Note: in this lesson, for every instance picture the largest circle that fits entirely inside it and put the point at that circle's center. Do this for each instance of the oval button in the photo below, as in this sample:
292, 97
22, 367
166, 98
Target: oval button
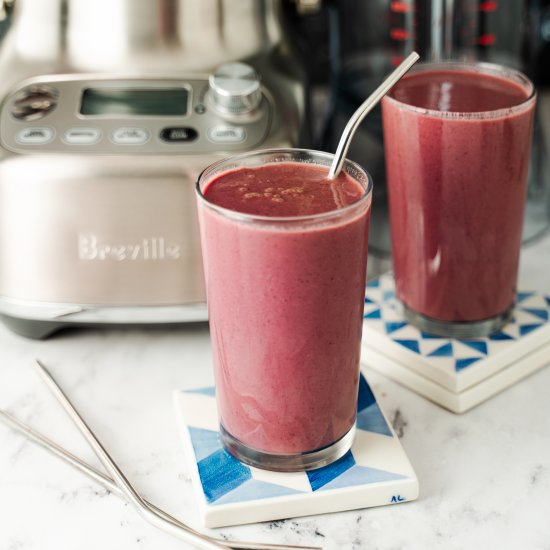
82, 136
227, 134
35, 136
130, 136
179, 133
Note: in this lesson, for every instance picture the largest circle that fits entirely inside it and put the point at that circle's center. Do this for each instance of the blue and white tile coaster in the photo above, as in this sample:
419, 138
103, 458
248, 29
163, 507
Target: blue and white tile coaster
456, 374
376, 471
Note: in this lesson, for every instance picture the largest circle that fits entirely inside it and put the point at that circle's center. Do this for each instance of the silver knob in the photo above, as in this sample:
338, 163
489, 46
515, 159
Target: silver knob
34, 102
235, 88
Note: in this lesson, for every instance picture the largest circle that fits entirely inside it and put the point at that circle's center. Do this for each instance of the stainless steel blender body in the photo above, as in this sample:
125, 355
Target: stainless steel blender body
109, 111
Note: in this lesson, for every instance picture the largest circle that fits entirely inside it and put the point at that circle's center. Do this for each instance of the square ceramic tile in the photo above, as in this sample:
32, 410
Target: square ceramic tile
455, 373
375, 472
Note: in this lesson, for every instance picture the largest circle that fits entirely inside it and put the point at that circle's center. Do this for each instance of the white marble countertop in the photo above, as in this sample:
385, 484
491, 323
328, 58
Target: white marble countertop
484, 476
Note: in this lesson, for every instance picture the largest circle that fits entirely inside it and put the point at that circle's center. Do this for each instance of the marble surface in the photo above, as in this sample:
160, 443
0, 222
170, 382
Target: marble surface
484, 476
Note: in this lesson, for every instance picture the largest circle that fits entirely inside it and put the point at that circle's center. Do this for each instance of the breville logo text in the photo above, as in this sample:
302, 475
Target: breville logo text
148, 248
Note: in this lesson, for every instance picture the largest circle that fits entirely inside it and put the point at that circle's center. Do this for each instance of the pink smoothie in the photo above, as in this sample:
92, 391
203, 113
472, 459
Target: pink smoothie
457, 188
285, 302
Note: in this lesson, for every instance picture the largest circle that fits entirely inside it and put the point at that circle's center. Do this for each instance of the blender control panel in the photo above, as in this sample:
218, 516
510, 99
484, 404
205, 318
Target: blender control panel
226, 112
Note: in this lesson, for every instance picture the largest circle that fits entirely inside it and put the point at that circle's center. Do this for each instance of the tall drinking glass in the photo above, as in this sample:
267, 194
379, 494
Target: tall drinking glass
457, 142
285, 301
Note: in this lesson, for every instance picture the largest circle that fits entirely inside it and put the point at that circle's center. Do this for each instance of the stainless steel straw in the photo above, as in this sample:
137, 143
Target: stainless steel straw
108, 483
364, 109
118, 483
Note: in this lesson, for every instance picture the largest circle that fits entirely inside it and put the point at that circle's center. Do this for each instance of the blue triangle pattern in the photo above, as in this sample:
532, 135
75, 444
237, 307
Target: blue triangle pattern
365, 397
540, 313
409, 344
320, 477
446, 350
461, 364
361, 475
547, 298
221, 473
523, 296
205, 442
500, 336
526, 329
478, 345
373, 315
392, 326
375, 283
209, 390
371, 419
388, 295
368, 301
254, 489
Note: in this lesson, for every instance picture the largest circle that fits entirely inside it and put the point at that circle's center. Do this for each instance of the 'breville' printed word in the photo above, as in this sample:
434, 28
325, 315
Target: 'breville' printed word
148, 249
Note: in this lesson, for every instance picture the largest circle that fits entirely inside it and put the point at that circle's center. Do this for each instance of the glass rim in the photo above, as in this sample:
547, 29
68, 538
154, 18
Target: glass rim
258, 218
483, 67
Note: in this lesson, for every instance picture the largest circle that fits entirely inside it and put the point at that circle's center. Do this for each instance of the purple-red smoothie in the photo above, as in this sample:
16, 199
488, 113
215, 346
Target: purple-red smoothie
457, 184
285, 299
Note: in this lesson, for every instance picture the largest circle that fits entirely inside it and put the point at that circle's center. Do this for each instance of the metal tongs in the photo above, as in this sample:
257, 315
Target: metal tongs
118, 484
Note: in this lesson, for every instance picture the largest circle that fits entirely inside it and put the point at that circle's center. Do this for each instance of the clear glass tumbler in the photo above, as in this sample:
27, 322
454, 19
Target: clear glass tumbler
457, 184
285, 301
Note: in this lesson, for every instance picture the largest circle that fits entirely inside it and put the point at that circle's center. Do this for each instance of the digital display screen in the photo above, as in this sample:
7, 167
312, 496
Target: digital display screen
134, 101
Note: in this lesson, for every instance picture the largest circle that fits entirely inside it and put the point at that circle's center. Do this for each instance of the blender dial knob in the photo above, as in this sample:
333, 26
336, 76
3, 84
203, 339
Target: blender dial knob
235, 88
34, 102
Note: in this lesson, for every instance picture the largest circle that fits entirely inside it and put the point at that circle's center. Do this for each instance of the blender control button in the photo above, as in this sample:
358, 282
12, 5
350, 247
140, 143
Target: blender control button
35, 136
178, 134
227, 134
130, 136
235, 89
82, 136
34, 102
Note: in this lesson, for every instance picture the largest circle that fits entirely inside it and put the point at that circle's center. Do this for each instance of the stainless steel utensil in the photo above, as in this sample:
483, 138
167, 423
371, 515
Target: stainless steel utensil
119, 484
365, 108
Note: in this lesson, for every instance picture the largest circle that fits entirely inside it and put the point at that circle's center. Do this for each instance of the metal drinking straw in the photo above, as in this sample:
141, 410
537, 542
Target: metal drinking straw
118, 483
364, 109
